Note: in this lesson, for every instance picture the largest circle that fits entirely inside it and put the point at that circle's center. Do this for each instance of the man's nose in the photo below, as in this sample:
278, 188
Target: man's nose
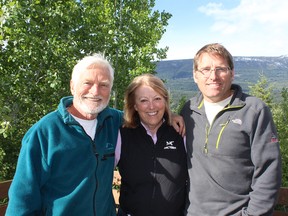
94, 89
213, 74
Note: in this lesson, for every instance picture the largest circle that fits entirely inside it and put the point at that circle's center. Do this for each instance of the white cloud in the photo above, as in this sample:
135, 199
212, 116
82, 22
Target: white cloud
247, 14
245, 27
257, 26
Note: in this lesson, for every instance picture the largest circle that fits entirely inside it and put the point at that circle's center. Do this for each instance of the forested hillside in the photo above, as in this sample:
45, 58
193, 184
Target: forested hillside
178, 74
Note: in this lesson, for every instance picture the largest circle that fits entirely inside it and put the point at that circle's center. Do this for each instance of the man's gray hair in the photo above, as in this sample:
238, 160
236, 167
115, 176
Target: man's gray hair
96, 59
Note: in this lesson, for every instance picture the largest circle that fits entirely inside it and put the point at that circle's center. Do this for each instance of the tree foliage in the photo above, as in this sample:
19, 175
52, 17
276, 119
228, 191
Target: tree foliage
280, 115
263, 90
41, 40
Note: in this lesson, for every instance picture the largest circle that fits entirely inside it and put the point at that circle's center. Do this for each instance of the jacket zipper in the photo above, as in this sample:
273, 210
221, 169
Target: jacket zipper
208, 129
97, 162
154, 173
221, 132
96, 187
96, 156
105, 156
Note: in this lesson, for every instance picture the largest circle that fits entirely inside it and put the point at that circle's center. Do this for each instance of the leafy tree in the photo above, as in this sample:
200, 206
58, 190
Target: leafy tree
36, 53
135, 35
178, 107
41, 40
280, 115
263, 90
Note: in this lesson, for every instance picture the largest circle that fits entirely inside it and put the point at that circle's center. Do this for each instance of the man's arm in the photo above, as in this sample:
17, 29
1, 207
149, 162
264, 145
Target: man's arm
24, 193
178, 124
265, 154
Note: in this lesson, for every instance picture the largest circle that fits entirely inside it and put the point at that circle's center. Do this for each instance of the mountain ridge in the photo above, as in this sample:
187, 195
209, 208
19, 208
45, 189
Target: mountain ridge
177, 74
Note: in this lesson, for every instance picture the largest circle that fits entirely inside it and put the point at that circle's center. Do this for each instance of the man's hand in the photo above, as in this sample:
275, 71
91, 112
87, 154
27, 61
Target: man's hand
178, 124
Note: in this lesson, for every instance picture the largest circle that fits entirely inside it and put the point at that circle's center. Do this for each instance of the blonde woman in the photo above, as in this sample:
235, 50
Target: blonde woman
152, 154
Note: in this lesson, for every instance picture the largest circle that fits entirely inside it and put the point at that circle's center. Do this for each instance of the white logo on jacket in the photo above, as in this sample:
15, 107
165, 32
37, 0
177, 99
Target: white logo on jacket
237, 121
170, 145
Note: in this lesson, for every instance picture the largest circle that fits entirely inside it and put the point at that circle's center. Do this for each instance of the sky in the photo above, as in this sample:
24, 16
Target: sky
244, 27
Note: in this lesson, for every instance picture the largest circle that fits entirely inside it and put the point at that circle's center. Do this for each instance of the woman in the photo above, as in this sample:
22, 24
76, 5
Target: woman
153, 158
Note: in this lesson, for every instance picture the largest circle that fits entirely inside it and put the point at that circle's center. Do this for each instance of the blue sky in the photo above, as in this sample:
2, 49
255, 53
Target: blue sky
244, 27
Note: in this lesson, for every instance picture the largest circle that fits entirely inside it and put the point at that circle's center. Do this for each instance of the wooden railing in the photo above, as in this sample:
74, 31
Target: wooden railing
281, 208
4, 187
116, 187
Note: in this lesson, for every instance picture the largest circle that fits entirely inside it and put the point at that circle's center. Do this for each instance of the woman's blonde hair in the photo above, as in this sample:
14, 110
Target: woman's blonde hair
131, 116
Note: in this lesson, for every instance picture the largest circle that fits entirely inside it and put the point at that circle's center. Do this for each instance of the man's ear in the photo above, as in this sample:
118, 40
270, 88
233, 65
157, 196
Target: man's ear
72, 87
194, 77
232, 75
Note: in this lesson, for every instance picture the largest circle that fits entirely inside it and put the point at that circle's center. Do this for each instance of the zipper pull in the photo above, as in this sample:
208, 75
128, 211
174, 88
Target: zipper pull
205, 148
206, 139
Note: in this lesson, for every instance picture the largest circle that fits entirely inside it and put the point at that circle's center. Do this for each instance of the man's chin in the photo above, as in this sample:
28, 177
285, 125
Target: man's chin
96, 110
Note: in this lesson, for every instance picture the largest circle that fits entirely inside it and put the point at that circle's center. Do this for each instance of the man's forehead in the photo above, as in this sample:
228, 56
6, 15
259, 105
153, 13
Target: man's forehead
209, 58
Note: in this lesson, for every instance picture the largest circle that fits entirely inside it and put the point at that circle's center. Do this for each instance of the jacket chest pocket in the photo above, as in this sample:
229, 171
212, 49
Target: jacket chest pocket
229, 138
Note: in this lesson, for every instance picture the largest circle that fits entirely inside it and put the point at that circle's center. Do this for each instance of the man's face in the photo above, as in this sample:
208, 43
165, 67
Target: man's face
91, 91
216, 86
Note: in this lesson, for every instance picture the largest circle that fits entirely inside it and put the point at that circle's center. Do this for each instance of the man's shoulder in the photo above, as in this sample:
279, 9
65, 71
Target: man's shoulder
45, 124
252, 101
112, 111
48, 119
112, 115
187, 105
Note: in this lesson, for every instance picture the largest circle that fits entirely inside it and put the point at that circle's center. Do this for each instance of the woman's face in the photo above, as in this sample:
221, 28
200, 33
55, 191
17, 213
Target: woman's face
150, 106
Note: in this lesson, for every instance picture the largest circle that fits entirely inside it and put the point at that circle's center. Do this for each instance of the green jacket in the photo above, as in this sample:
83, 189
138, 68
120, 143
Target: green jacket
62, 171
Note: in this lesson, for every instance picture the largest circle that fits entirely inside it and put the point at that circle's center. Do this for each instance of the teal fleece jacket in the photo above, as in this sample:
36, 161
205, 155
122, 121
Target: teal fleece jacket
62, 171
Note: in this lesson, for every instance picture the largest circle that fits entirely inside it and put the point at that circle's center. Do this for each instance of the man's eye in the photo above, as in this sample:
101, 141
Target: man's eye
104, 85
206, 70
220, 69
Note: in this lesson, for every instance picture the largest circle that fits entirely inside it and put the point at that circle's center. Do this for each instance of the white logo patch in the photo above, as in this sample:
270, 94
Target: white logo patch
170, 145
237, 121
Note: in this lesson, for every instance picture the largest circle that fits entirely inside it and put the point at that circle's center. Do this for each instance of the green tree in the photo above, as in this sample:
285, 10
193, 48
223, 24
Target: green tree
41, 40
136, 32
263, 90
280, 115
178, 107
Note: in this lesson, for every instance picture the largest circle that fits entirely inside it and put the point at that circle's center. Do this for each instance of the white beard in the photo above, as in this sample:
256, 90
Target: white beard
95, 110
